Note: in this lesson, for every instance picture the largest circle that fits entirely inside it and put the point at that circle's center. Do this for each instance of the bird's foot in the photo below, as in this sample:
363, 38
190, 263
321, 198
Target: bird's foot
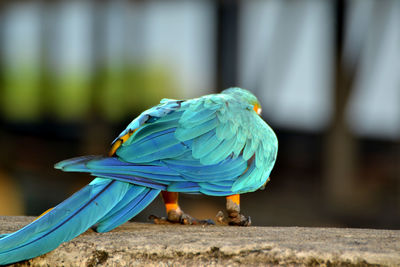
233, 218
175, 217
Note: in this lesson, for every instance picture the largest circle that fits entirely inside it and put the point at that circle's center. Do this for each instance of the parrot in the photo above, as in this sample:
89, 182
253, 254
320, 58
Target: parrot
216, 145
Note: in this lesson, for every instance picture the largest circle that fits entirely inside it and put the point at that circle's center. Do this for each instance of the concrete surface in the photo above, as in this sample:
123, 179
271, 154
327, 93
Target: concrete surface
138, 244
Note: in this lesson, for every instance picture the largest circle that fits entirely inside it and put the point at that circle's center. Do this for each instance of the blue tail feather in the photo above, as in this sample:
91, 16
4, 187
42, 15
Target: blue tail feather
77, 160
60, 213
133, 193
130, 210
69, 219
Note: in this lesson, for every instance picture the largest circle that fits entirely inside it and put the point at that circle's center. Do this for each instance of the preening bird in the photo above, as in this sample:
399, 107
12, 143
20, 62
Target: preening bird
216, 145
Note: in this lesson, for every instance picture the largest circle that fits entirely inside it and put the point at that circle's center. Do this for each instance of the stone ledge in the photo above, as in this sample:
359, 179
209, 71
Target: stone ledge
138, 244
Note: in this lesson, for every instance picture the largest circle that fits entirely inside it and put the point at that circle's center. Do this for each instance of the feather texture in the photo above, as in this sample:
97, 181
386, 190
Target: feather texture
215, 145
64, 222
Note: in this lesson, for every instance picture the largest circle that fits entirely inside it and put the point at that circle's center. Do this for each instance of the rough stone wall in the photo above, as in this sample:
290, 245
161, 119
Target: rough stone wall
139, 244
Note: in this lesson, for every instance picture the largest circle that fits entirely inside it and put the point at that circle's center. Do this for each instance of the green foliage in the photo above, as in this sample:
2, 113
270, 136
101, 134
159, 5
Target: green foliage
21, 93
112, 92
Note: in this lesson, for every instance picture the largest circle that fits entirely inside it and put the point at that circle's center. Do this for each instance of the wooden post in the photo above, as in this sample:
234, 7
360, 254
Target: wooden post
341, 146
227, 43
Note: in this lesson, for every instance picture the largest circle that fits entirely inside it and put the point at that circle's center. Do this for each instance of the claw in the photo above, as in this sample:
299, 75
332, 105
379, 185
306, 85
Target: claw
234, 219
189, 220
184, 219
159, 220
221, 218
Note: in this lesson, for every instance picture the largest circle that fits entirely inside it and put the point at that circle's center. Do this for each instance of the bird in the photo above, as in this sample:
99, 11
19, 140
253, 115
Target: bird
216, 145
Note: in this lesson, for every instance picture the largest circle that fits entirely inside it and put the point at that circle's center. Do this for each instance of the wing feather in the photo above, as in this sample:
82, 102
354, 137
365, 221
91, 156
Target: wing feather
200, 145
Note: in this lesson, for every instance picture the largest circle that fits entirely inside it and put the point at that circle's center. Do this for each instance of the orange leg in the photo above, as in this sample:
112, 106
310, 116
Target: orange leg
233, 208
176, 215
174, 212
233, 203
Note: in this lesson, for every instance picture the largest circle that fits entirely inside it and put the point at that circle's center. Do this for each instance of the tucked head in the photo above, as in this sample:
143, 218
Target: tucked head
245, 96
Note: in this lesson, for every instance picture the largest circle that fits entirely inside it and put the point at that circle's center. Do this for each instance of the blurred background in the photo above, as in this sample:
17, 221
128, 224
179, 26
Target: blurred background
73, 74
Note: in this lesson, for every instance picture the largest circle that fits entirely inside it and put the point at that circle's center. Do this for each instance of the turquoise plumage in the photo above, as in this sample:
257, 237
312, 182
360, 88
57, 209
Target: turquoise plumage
215, 145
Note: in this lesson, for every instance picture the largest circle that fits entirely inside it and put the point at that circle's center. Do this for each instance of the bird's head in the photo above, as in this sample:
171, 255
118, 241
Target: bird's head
244, 96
